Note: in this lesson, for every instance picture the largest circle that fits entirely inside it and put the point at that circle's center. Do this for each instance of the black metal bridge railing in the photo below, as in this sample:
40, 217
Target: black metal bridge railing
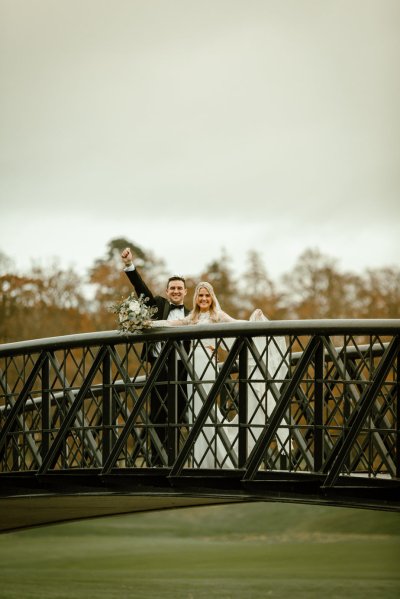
283, 410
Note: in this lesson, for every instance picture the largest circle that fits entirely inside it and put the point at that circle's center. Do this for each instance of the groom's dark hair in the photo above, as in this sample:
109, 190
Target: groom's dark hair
176, 278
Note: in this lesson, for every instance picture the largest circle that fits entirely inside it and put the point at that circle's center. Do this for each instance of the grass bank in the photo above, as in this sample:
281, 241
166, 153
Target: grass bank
247, 551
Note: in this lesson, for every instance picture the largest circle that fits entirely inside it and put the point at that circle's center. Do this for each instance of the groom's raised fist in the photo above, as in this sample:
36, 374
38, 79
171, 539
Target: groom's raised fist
126, 256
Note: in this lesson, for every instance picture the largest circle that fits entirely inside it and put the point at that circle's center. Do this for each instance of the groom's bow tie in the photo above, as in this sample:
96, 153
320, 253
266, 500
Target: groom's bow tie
175, 307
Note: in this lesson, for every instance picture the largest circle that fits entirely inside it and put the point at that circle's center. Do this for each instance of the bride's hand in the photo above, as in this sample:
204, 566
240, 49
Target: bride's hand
257, 315
148, 324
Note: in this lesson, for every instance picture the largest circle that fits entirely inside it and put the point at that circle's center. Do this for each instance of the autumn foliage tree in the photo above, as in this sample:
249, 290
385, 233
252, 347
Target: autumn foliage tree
109, 284
52, 301
49, 302
317, 289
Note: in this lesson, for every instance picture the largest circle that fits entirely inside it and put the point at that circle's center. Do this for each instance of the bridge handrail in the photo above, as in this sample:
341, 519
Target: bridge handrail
271, 328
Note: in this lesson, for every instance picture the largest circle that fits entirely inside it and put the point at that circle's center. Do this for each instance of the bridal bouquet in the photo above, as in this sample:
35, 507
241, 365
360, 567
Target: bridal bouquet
133, 313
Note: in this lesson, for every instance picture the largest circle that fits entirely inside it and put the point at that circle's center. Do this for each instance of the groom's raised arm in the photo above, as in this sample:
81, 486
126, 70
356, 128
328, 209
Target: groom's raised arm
134, 277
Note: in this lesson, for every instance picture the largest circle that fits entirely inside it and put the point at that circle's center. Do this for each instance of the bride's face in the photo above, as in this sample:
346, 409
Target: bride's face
204, 300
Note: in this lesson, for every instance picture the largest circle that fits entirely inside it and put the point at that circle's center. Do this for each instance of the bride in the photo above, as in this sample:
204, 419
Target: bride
217, 444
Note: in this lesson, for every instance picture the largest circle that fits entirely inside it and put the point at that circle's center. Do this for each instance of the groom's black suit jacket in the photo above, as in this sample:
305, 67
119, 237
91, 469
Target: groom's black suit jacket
161, 303
158, 411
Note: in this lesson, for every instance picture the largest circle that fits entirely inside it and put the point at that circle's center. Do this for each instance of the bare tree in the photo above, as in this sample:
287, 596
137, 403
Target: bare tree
258, 290
382, 293
316, 289
219, 274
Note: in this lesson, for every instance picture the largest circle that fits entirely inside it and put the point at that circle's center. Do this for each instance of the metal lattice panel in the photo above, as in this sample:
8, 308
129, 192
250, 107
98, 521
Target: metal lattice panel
257, 399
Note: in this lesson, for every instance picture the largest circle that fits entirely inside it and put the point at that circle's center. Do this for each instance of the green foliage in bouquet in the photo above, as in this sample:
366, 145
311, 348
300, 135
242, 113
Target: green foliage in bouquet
133, 314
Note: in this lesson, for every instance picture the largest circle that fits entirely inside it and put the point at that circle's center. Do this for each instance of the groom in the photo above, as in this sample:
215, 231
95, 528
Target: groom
168, 308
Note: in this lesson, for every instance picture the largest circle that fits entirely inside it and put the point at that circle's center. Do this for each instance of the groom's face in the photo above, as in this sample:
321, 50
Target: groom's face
176, 291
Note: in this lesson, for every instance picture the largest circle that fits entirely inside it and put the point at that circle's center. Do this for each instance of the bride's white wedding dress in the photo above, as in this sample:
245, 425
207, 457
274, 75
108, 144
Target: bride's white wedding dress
260, 399
217, 443
212, 445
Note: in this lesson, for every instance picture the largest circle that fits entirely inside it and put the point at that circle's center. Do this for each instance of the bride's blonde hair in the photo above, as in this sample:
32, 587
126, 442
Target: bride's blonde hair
195, 313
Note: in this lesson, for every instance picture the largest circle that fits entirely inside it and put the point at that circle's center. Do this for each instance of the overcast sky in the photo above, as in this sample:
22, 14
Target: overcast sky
191, 126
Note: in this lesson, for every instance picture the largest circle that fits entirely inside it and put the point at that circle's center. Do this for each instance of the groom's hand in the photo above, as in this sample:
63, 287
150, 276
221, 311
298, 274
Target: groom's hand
127, 257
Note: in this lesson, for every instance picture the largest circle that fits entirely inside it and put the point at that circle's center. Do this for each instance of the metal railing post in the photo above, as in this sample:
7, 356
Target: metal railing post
243, 405
172, 409
107, 408
319, 407
46, 422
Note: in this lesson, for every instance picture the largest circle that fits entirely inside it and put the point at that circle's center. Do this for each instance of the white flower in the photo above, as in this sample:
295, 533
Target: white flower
134, 307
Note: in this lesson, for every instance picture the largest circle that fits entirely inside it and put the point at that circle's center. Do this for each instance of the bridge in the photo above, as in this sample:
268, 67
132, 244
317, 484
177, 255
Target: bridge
291, 411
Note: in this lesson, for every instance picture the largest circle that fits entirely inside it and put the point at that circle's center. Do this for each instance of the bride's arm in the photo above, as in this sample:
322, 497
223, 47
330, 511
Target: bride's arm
224, 317
257, 315
178, 322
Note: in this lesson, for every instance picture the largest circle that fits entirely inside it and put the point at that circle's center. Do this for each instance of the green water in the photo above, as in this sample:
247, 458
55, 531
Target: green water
247, 551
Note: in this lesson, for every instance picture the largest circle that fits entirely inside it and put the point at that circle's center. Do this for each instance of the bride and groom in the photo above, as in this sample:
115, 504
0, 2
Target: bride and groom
217, 443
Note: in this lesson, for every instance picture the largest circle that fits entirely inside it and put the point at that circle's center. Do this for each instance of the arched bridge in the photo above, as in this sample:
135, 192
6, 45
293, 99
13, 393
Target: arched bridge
296, 411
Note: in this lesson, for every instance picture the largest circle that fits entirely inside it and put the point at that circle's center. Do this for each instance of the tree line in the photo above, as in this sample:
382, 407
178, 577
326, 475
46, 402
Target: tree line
52, 301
